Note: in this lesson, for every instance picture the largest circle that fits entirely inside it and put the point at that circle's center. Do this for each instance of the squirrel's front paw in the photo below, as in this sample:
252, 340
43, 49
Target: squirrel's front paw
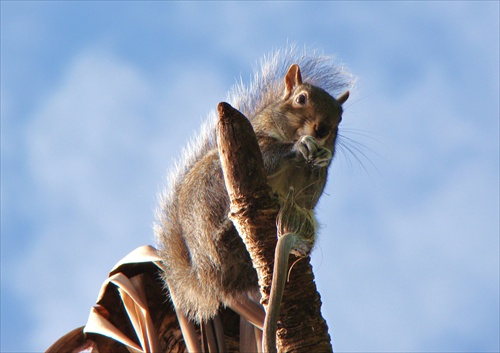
313, 153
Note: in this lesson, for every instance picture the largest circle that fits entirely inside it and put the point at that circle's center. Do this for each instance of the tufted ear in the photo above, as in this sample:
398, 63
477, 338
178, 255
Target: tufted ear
293, 79
343, 98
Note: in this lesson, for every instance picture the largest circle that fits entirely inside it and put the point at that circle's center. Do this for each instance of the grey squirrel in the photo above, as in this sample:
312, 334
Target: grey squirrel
296, 124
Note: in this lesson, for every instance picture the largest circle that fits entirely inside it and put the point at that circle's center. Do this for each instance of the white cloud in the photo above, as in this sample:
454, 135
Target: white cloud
98, 148
409, 257
74, 144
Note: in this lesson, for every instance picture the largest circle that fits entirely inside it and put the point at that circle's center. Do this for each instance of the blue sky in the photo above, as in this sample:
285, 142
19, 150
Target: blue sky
98, 98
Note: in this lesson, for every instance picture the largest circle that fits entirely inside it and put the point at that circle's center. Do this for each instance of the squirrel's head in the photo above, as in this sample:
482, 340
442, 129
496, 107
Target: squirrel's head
310, 110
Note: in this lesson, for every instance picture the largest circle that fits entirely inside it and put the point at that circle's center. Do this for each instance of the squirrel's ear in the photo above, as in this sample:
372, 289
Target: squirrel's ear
343, 97
293, 78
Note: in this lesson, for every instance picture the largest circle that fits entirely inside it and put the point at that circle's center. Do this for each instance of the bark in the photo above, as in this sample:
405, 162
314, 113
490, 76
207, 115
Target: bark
254, 209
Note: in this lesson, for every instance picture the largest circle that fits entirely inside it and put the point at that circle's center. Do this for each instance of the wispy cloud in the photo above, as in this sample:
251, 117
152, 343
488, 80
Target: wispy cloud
102, 138
408, 249
407, 258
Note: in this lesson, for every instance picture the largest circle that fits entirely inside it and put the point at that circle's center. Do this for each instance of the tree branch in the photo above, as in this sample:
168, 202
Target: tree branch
254, 209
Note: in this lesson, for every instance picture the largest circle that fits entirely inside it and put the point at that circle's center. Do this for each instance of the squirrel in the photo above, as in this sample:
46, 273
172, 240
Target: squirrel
291, 107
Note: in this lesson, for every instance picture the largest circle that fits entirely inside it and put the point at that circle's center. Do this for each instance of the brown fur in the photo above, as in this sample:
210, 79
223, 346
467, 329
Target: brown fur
206, 262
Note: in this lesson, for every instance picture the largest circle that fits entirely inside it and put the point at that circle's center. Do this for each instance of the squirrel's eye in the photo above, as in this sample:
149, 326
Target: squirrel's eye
301, 99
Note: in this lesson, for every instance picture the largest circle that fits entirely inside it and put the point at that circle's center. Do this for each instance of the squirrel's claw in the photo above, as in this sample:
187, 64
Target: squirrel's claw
323, 158
313, 153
